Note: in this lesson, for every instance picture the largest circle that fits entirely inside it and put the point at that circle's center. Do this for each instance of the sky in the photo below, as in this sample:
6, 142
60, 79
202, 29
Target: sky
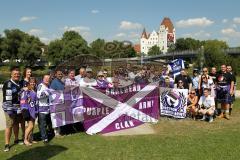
122, 19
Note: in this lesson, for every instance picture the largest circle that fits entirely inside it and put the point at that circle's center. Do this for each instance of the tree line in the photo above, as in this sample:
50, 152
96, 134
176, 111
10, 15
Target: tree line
18, 45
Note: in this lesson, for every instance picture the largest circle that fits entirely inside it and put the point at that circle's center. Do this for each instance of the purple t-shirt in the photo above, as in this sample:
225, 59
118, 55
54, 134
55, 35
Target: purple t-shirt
29, 102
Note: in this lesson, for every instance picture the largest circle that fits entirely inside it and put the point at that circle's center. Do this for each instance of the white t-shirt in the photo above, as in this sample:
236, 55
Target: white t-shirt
207, 102
70, 82
86, 82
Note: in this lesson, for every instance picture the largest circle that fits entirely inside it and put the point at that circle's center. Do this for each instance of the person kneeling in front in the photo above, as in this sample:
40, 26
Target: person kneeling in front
207, 105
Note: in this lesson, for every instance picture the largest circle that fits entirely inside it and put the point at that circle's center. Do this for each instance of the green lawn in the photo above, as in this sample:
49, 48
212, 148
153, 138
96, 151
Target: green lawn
174, 140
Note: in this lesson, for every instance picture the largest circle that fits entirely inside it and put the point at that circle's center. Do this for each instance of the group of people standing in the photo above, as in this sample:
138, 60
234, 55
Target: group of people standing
25, 99
211, 89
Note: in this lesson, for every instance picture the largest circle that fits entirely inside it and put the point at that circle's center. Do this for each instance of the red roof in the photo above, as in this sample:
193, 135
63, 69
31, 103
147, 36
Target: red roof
168, 24
137, 48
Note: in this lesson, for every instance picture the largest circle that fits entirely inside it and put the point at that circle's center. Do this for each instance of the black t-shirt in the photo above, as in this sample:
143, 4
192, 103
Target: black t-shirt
224, 79
233, 76
214, 77
186, 80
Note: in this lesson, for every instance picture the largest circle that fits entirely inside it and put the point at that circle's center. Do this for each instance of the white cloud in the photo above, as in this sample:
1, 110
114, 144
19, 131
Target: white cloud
94, 11
35, 31
121, 35
224, 20
199, 22
45, 40
230, 32
236, 20
27, 19
128, 36
78, 29
127, 25
234, 26
198, 35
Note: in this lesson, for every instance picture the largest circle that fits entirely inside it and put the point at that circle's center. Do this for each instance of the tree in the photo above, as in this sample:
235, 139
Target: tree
154, 50
187, 44
1, 39
118, 49
55, 51
70, 45
97, 48
30, 50
11, 43
213, 53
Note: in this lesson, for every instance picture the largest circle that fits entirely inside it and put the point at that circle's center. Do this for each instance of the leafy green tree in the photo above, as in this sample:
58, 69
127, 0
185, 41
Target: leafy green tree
70, 45
213, 53
11, 43
1, 39
187, 44
97, 48
119, 50
55, 51
154, 50
30, 50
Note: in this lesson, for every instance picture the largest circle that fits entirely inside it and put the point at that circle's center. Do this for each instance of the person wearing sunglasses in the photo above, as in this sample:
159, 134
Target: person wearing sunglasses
192, 104
101, 82
207, 83
180, 84
203, 75
185, 78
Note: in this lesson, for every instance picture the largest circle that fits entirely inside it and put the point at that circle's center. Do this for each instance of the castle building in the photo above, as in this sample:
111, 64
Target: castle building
164, 38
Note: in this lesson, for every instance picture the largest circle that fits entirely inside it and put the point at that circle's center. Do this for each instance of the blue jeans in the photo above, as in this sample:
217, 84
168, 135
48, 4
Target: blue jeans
44, 121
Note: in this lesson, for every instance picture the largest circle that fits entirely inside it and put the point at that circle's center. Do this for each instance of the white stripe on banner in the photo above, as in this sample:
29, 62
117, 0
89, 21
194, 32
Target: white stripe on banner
119, 107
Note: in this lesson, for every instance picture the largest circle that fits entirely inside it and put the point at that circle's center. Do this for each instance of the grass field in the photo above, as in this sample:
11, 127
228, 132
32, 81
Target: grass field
174, 140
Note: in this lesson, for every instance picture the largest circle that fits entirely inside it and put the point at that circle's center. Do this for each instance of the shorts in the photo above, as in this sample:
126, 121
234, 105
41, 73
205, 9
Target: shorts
13, 119
224, 96
26, 115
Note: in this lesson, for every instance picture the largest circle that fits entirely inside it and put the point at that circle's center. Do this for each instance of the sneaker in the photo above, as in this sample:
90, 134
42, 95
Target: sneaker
18, 142
45, 141
6, 148
210, 119
203, 118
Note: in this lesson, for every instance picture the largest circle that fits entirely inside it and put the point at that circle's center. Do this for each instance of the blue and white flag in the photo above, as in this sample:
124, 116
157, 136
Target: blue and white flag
176, 66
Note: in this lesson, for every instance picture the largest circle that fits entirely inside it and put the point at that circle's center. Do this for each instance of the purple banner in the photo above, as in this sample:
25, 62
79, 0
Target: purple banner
66, 106
115, 109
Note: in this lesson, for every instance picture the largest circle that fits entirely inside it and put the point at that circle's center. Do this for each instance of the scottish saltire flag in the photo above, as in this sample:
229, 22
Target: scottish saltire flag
176, 66
173, 102
66, 106
116, 109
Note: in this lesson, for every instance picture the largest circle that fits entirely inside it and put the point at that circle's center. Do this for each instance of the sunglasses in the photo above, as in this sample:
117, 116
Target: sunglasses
192, 93
205, 71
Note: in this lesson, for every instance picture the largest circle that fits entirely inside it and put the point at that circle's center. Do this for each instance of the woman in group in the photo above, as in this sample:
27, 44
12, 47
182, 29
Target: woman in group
27, 73
192, 103
29, 109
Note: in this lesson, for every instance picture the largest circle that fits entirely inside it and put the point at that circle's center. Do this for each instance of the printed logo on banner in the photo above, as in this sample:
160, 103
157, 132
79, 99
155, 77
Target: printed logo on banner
173, 102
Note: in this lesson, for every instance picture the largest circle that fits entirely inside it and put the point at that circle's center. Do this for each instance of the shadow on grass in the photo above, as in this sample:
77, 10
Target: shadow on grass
39, 153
